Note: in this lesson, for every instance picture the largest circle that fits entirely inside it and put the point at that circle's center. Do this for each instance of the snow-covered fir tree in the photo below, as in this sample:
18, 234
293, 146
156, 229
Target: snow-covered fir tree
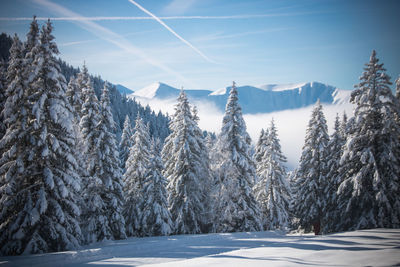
186, 169
237, 208
32, 38
137, 171
195, 114
398, 101
74, 96
78, 85
94, 222
207, 177
294, 222
126, 141
334, 149
343, 126
3, 88
40, 211
13, 84
368, 195
108, 168
156, 218
260, 146
78, 89
398, 105
272, 189
14, 147
311, 179
210, 142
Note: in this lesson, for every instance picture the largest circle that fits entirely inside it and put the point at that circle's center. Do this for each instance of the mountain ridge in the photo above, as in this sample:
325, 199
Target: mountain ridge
261, 99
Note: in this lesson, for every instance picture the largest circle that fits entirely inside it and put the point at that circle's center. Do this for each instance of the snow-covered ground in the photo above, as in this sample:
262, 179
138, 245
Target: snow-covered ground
377, 247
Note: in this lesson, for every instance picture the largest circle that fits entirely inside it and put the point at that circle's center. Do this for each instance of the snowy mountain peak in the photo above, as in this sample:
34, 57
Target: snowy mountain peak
154, 90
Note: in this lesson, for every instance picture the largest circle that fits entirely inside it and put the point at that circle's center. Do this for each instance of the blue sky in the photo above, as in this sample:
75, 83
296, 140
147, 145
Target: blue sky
208, 43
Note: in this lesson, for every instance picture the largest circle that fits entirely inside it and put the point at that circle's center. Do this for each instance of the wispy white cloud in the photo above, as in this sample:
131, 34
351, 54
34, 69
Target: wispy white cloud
172, 31
109, 36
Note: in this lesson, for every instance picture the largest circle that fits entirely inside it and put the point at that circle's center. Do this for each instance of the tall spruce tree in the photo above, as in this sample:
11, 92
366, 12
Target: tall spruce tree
108, 168
210, 142
156, 218
334, 148
78, 85
207, 178
42, 211
94, 221
368, 195
237, 208
398, 106
14, 147
260, 146
398, 103
343, 126
272, 189
126, 142
137, 171
3, 88
79, 89
311, 180
74, 96
186, 168
32, 40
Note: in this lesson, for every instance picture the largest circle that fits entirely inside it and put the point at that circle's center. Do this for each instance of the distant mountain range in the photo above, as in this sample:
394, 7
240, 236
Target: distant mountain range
255, 99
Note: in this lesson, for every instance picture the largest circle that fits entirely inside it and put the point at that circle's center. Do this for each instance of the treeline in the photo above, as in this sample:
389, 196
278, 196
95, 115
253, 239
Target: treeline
64, 180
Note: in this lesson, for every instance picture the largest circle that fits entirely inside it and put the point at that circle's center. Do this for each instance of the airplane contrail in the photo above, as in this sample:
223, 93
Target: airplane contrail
103, 18
109, 36
172, 31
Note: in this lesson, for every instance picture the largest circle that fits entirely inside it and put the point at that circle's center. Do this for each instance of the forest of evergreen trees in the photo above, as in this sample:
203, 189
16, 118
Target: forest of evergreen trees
67, 180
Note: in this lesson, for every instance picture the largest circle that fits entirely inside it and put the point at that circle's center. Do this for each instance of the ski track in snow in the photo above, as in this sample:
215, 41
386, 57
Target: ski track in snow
376, 247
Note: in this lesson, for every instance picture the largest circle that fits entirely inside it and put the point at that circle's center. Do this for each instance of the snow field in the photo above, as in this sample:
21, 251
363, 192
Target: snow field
375, 247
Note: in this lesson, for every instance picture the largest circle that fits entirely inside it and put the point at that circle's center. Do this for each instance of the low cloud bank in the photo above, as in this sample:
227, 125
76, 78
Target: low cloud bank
291, 124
